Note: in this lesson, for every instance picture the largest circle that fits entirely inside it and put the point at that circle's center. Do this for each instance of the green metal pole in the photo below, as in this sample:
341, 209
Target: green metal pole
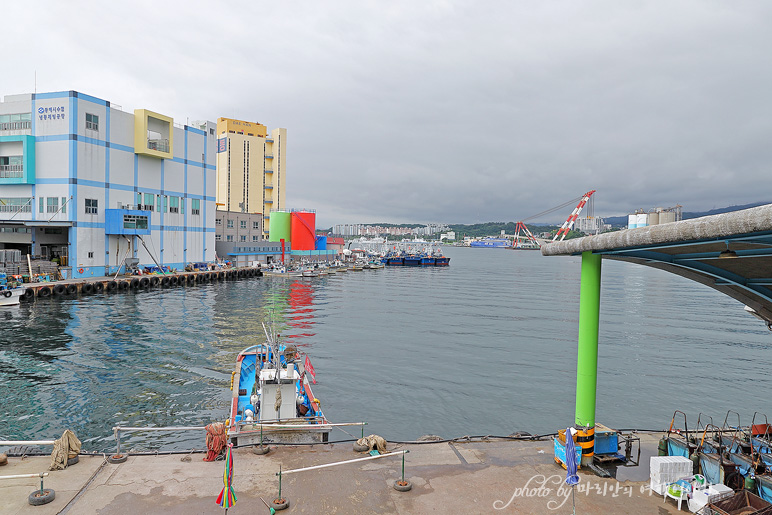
587, 357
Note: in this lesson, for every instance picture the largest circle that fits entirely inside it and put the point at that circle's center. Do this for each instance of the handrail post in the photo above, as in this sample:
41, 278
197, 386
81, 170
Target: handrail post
117, 432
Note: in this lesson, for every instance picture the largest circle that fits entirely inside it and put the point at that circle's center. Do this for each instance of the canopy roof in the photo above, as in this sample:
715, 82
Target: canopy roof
730, 252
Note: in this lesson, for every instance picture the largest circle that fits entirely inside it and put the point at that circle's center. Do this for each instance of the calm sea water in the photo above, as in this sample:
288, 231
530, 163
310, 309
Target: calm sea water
485, 346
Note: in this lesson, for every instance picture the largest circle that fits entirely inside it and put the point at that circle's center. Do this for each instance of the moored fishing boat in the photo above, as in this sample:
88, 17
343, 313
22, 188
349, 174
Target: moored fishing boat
412, 260
427, 260
272, 399
10, 291
394, 260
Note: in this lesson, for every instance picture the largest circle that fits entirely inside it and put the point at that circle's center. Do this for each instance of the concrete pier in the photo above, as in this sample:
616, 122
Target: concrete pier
125, 283
496, 476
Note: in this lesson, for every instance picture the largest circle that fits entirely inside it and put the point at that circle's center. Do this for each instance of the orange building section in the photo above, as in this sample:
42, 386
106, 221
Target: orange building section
303, 230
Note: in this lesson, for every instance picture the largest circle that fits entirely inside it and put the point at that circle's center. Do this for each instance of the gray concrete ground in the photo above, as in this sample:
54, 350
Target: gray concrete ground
460, 477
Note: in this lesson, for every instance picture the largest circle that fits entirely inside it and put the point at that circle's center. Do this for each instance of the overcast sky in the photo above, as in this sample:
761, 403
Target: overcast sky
441, 111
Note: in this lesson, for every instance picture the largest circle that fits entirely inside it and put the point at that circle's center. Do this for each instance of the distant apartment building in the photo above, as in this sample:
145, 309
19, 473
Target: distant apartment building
377, 230
251, 168
83, 181
592, 225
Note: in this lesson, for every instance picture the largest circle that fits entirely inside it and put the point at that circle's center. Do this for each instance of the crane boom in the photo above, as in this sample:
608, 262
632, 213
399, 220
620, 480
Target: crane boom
569, 223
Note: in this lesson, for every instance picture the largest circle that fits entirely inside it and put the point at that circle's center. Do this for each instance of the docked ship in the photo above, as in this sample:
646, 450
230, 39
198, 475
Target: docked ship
497, 243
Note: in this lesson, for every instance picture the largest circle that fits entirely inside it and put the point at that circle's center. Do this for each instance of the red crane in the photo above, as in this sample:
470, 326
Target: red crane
569, 224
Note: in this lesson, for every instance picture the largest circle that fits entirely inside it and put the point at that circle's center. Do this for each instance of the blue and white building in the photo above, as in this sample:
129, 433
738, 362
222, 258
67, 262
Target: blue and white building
91, 184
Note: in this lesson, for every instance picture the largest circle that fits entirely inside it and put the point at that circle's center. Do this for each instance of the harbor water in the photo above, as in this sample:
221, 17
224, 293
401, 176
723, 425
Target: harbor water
486, 346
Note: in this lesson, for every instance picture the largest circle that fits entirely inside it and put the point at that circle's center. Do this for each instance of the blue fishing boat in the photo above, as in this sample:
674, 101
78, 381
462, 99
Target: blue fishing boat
412, 260
272, 399
394, 260
427, 260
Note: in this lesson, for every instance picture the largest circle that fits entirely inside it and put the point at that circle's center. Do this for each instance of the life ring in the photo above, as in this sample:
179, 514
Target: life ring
80, 270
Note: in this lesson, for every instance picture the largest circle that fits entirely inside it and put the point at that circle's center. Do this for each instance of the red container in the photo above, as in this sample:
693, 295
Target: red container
303, 230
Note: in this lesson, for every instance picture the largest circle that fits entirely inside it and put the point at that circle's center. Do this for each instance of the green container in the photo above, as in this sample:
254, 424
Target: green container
279, 226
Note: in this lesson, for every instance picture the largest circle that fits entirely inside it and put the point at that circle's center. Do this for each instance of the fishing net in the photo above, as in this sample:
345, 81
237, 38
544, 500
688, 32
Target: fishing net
215, 440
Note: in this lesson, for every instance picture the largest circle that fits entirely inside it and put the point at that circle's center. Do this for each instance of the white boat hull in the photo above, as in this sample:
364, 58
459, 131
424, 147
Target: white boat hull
13, 298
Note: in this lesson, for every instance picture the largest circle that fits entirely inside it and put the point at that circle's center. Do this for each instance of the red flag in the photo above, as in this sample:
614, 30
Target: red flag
310, 369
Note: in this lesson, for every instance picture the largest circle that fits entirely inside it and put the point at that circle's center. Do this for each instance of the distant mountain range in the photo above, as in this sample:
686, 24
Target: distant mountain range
621, 221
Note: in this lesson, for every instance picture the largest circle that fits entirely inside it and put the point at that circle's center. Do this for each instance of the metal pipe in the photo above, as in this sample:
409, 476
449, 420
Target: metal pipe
24, 476
27, 442
347, 461
587, 357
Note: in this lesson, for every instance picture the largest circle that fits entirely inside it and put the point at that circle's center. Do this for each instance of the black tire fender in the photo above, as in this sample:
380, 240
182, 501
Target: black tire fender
134, 283
87, 289
123, 285
72, 289
154, 281
39, 498
45, 291
60, 289
117, 458
261, 449
112, 286
99, 287
144, 282
280, 504
402, 486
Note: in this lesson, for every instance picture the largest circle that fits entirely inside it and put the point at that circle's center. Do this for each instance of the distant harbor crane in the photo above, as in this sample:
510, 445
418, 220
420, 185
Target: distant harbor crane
564, 229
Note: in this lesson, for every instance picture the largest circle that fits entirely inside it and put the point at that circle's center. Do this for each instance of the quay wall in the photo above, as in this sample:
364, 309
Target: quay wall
124, 284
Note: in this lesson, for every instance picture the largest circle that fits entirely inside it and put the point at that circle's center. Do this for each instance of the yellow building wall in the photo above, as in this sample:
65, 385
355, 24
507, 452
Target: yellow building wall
226, 125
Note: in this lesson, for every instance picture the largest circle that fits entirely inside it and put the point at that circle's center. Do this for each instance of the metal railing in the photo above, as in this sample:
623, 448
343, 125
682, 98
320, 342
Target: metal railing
161, 145
11, 171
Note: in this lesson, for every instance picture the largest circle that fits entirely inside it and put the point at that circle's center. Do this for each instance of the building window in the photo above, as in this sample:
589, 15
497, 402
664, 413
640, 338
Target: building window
135, 222
255, 225
228, 237
211, 131
217, 237
64, 204
174, 204
243, 237
15, 122
11, 167
195, 206
182, 205
243, 224
52, 204
162, 201
149, 201
14, 204
255, 237
92, 122
42, 204
91, 206
218, 221
91, 255
230, 224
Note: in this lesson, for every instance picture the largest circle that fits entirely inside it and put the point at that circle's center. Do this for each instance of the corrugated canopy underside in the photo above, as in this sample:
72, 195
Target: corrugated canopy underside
693, 249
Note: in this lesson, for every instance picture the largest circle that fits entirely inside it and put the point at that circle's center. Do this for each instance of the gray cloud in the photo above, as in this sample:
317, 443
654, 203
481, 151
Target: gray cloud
442, 111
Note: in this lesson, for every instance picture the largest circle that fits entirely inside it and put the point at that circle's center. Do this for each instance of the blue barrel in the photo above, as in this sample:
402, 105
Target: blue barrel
321, 243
